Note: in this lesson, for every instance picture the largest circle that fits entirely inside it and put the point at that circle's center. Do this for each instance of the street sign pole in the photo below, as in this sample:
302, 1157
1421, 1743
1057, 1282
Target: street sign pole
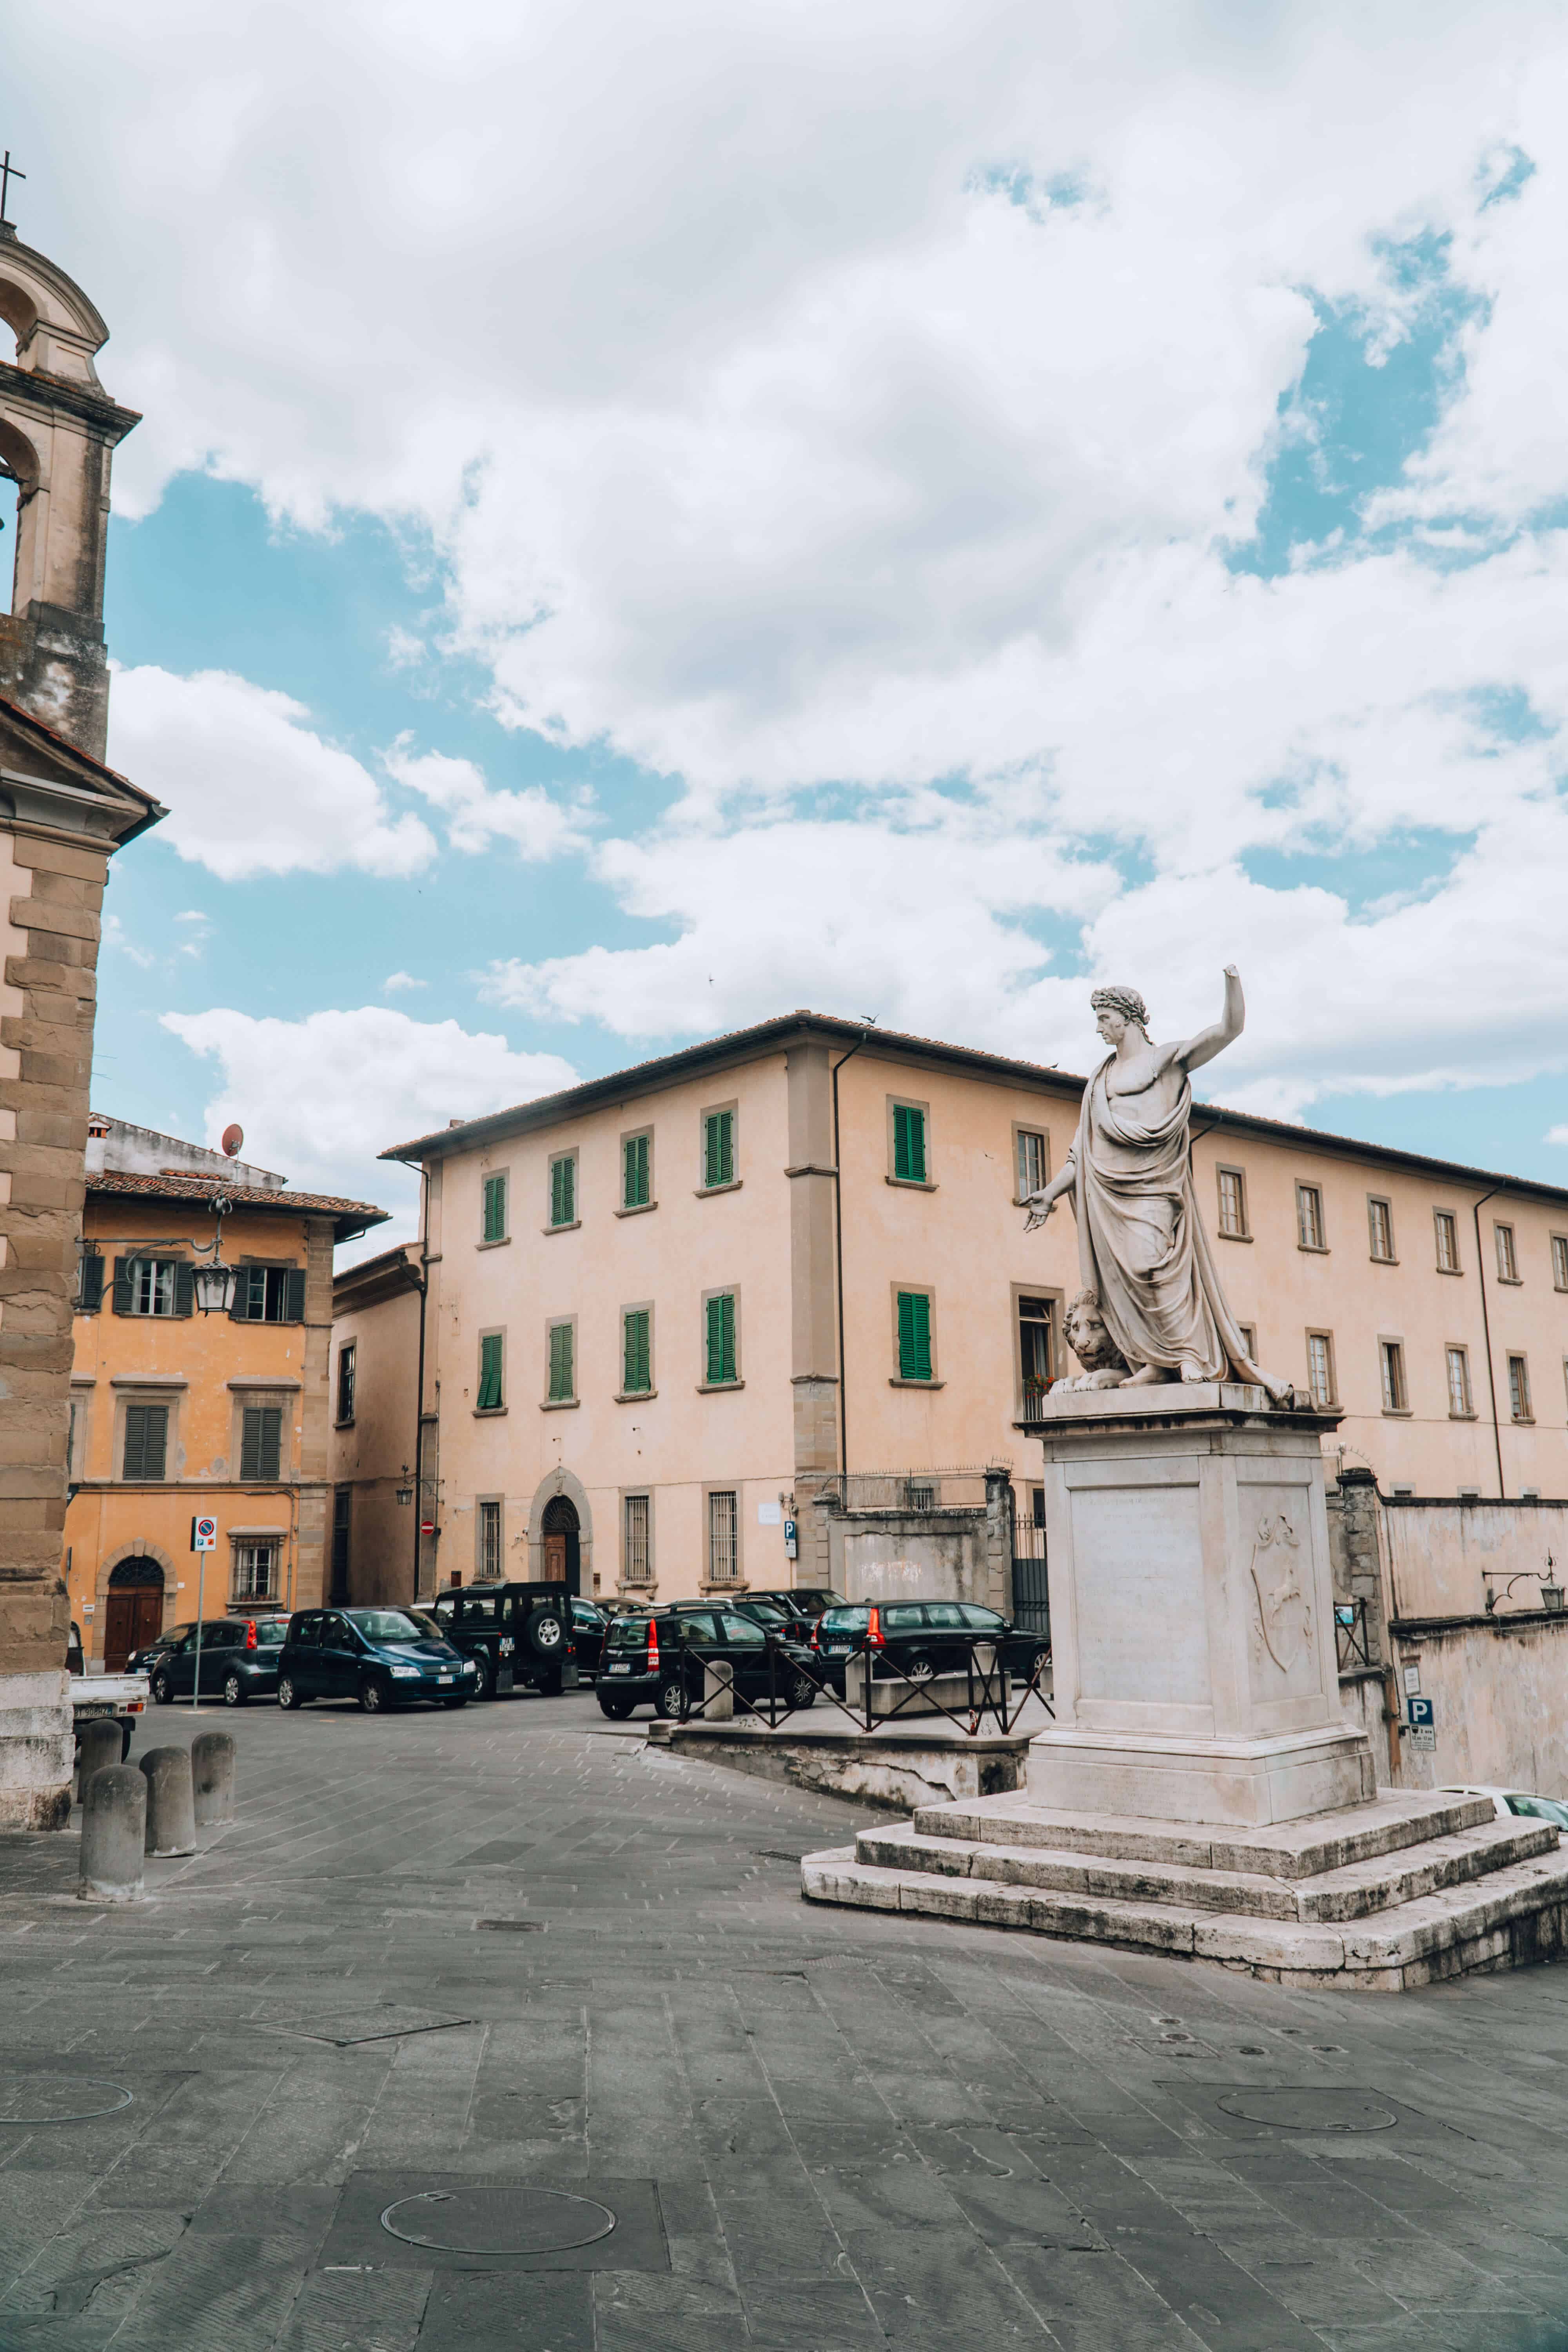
203, 1538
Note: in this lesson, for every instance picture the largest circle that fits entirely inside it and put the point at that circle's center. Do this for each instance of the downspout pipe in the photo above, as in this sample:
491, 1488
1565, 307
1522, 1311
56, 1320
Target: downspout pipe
1487, 1328
419, 1388
839, 1257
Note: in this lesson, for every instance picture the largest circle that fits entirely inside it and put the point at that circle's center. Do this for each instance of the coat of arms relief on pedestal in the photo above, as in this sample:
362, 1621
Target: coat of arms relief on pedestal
1284, 1626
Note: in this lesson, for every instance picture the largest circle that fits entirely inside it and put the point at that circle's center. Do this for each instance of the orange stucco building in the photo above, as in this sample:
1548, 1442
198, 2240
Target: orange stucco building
174, 1413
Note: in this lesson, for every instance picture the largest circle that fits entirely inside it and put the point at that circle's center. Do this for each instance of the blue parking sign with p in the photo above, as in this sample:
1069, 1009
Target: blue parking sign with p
1422, 1714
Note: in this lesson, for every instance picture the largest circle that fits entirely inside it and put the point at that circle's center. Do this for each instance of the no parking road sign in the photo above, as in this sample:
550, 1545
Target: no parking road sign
204, 1535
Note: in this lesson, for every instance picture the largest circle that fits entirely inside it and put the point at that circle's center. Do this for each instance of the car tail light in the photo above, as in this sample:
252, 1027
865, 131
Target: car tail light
874, 1631
814, 1643
652, 1648
251, 1634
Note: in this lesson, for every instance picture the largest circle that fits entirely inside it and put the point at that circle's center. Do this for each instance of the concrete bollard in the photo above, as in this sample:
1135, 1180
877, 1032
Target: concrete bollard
113, 1828
171, 1801
212, 1771
99, 1745
718, 1690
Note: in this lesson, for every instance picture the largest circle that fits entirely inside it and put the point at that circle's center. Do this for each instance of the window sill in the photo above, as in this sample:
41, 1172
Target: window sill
560, 1405
1510, 1282
1398, 1413
898, 1382
718, 1388
1521, 1419
706, 1191
491, 1411
1373, 1259
173, 1380
570, 1228
1471, 1415
641, 1209
633, 1396
344, 1424
259, 1380
1313, 1249
1221, 1235
909, 1183
1457, 1271
710, 1591
501, 1241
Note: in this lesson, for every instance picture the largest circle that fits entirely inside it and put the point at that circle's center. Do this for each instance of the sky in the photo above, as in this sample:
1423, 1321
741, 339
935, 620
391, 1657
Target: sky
650, 516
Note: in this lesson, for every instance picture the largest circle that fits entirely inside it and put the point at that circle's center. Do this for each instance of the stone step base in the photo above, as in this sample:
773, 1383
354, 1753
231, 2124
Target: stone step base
1358, 1891
1516, 1914
1395, 1820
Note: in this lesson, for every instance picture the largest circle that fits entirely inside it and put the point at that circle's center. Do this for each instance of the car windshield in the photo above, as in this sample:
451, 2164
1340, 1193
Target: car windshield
844, 1620
766, 1612
387, 1625
1540, 1809
427, 1624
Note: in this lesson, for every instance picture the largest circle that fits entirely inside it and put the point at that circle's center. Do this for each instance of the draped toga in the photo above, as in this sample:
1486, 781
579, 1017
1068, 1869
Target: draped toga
1142, 1247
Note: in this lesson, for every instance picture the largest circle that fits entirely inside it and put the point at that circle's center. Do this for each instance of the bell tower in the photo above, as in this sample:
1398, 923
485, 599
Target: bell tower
58, 432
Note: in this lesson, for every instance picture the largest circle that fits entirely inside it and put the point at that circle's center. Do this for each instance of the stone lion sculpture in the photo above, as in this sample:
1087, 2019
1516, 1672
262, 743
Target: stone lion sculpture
1104, 1367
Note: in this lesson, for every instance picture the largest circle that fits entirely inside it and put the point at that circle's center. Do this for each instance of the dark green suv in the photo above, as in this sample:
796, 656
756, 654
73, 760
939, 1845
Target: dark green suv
518, 1635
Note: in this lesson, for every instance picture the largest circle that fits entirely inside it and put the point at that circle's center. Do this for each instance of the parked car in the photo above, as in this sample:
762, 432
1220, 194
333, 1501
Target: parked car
649, 1658
799, 1605
919, 1638
514, 1634
238, 1661
383, 1657
1507, 1802
147, 1657
590, 1623
95, 1697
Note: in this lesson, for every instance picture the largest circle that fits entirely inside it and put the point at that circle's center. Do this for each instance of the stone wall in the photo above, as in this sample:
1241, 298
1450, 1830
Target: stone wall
1500, 1691
1437, 1549
963, 1554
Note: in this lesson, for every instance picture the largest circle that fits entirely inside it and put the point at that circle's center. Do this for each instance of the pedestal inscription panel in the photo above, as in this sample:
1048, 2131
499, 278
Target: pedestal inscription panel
1139, 1564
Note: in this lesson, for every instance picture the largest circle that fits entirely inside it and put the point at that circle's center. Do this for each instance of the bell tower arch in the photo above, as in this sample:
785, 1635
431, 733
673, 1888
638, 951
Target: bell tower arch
58, 432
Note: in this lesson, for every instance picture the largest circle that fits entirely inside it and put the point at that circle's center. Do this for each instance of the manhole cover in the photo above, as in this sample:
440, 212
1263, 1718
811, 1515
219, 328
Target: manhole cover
513, 2221
59, 2098
1311, 2110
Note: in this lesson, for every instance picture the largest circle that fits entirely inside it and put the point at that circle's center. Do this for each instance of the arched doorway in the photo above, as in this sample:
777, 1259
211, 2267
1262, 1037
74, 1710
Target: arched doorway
134, 1612
563, 1551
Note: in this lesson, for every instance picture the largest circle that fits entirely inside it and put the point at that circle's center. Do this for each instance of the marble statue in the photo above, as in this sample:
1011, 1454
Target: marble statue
1143, 1255
1104, 1365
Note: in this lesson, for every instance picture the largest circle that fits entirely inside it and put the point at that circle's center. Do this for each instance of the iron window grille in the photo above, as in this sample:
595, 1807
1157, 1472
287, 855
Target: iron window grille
638, 1545
723, 1536
255, 1571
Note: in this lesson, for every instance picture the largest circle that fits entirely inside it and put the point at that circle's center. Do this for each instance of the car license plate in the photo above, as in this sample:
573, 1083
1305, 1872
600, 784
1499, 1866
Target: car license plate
620, 1670
443, 1678
836, 1649
91, 1714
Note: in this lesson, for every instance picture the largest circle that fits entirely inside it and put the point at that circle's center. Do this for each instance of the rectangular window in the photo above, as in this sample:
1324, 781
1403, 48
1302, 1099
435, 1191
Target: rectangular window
146, 1439
909, 1144
914, 1335
1309, 1217
636, 1350
1033, 1163
1459, 1405
1036, 1352
563, 1189
717, 1149
269, 1294
495, 1209
1447, 1233
346, 1359
490, 1545
1321, 1367
1560, 1261
723, 1538
342, 1521
152, 1286
261, 1440
1391, 1355
720, 1311
563, 1372
638, 1555
1506, 1257
1380, 1228
255, 1571
489, 1398
75, 1434
1233, 1204
1518, 1389
636, 1171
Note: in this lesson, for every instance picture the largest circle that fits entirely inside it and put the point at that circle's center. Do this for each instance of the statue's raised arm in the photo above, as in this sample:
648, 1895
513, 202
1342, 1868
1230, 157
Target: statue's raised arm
1223, 1032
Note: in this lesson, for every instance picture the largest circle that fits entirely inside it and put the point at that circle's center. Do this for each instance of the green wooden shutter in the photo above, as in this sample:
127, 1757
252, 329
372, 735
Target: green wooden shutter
185, 1288
122, 1266
908, 1143
146, 1439
721, 1338
495, 1209
135, 1439
89, 1292
635, 1173
563, 1192
294, 1295
489, 1396
719, 1150
559, 1364
636, 1368
246, 1309
914, 1336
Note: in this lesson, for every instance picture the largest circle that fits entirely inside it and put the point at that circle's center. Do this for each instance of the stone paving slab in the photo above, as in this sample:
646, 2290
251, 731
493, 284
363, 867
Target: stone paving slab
862, 2129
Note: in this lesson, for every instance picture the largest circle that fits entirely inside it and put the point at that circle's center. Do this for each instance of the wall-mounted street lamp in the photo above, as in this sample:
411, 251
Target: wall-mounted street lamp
406, 1491
215, 1284
1550, 1590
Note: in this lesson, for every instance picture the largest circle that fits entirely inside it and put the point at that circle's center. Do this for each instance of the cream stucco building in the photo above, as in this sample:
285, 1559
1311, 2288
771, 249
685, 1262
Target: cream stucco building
663, 1307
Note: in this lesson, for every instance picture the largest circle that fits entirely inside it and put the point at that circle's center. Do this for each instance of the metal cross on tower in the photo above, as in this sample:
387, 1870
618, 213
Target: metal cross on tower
8, 172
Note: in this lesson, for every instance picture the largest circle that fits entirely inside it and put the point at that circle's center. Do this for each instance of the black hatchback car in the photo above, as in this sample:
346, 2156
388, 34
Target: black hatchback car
238, 1661
650, 1660
919, 1638
383, 1657
799, 1607
517, 1635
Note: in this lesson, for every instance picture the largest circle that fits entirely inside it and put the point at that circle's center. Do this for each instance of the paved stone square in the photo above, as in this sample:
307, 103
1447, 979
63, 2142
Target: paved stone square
820, 2129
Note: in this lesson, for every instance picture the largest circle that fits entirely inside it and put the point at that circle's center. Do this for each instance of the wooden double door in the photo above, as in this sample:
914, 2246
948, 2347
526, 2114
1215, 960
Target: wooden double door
132, 1616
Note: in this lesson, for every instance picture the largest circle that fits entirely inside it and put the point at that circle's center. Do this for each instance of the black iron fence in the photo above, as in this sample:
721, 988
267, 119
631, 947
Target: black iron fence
991, 1693
1351, 1636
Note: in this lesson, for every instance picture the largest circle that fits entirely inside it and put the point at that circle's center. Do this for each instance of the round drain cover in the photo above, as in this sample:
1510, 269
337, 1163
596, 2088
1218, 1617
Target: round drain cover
1311, 2110
515, 2220
59, 2098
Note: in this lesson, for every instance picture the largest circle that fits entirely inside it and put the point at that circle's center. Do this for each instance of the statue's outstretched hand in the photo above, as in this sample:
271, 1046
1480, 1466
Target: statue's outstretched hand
1039, 1206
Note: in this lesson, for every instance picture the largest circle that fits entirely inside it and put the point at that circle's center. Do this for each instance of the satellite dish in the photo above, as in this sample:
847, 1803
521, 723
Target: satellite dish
233, 1136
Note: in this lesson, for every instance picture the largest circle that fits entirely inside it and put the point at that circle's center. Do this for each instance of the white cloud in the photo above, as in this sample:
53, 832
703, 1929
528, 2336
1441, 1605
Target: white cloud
319, 1097
538, 826
117, 939
250, 788
396, 981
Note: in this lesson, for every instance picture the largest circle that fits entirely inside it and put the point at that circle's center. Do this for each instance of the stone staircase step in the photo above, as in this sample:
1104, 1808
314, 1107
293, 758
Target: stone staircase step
1517, 1913
1305, 1848
1355, 1890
